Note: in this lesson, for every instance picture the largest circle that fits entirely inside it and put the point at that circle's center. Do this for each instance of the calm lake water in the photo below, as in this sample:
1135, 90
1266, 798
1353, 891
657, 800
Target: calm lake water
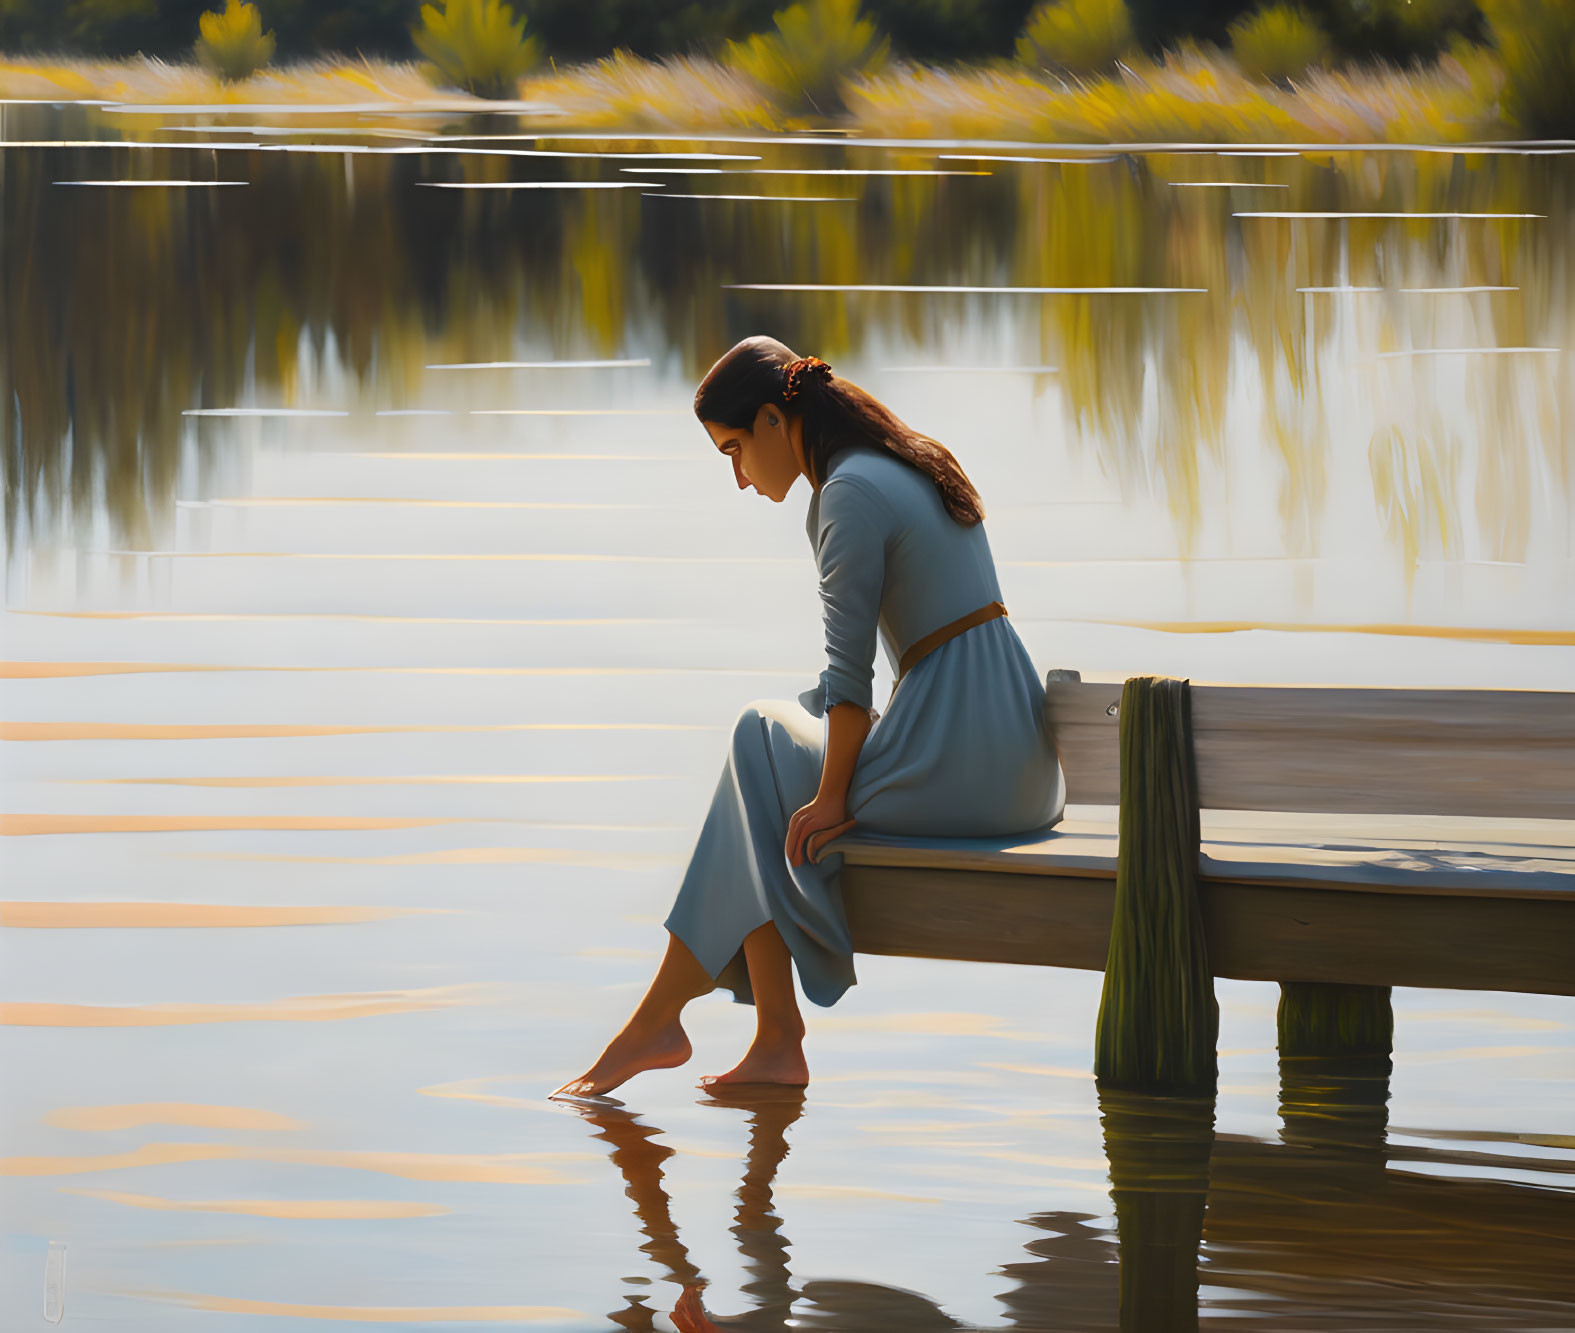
367, 695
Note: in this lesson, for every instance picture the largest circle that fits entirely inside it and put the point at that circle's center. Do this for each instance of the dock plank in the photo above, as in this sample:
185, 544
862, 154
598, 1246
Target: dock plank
1508, 753
1255, 932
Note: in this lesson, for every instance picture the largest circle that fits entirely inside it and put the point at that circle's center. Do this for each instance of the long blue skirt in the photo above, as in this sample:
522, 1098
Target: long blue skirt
961, 753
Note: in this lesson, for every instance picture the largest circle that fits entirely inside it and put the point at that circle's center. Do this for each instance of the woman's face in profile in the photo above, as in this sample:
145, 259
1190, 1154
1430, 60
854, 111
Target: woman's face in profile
762, 458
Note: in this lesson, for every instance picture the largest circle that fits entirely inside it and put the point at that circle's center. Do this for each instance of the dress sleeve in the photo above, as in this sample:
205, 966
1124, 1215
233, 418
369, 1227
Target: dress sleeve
850, 550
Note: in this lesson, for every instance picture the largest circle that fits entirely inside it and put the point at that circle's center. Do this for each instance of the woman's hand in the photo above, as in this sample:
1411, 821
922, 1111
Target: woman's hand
813, 826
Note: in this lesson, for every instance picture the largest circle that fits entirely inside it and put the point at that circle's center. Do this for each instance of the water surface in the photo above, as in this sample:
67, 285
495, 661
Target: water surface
377, 614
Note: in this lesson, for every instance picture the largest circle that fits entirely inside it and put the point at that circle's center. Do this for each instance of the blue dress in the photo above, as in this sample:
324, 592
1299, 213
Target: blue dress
961, 750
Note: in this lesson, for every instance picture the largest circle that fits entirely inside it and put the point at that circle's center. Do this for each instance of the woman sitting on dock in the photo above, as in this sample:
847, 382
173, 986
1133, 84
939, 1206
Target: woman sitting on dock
961, 750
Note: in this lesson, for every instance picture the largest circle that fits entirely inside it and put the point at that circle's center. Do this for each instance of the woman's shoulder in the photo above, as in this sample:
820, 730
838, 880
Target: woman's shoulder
859, 479
905, 491
873, 469
867, 461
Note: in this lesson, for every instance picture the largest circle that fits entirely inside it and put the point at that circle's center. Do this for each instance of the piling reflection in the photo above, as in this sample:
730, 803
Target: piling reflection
1339, 1105
1349, 1227
1158, 1149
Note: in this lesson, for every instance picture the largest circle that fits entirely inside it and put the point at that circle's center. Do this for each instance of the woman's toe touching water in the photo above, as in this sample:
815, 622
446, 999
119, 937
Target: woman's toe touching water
631, 1052
653, 1038
766, 1061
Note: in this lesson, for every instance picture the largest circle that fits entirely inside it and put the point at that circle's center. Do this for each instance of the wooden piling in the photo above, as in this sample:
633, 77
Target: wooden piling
1320, 1018
1158, 1018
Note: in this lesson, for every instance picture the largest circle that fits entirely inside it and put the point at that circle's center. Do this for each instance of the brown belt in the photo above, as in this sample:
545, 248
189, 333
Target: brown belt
930, 642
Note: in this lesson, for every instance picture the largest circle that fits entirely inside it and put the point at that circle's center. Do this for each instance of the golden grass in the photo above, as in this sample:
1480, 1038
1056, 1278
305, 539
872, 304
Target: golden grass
679, 92
1193, 94
330, 80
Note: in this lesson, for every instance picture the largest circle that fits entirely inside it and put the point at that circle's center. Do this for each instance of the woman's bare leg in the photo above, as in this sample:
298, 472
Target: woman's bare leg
777, 1053
653, 1038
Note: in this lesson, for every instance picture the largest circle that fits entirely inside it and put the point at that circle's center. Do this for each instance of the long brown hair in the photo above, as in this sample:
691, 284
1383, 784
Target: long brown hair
835, 411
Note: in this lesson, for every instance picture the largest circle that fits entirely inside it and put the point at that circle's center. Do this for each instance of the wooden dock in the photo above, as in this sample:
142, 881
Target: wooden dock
1364, 837
1273, 910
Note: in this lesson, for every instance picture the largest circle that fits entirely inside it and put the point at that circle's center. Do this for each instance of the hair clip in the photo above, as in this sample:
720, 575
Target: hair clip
805, 365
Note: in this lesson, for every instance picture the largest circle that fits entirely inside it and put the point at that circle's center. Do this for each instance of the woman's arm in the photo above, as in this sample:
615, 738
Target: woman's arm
850, 552
826, 817
847, 726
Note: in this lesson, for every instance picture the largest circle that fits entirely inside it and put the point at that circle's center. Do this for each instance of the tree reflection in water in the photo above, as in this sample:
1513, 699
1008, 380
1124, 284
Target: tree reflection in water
127, 308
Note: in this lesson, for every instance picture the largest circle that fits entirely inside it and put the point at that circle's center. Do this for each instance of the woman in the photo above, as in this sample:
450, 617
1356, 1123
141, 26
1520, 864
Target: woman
962, 750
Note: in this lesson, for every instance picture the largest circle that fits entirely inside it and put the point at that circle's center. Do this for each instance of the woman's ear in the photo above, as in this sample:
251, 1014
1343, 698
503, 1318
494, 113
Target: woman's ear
769, 415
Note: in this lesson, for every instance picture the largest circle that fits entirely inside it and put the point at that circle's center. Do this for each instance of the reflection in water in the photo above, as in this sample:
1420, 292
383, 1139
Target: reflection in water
1345, 401
320, 269
161, 916
1315, 1219
494, 1168
1158, 1148
360, 1314
640, 1157
757, 1230
1357, 1230
1072, 1285
290, 1009
285, 1209
1339, 1105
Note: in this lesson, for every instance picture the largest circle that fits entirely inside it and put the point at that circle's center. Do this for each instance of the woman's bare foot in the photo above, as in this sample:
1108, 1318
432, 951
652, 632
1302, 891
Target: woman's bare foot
628, 1054
766, 1061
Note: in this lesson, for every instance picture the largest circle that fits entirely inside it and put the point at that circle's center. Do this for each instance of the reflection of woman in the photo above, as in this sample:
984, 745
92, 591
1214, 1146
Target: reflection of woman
845, 1304
640, 1157
900, 545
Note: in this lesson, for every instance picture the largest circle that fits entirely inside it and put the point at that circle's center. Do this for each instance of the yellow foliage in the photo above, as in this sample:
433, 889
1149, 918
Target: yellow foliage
325, 81
1278, 42
816, 46
477, 45
65, 78
1080, 36
1415, 490
1194, 93
233, 45
1536, 42
679, 92
360, 78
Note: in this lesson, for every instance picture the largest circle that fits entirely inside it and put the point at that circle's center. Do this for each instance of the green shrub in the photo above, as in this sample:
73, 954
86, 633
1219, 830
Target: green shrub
1536, 43
232, 44
816, 45
477, 45
1079, 36
1279, 42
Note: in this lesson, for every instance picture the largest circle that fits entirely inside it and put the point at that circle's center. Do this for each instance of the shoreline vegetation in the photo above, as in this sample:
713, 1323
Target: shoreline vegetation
826, 67
1191, 97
